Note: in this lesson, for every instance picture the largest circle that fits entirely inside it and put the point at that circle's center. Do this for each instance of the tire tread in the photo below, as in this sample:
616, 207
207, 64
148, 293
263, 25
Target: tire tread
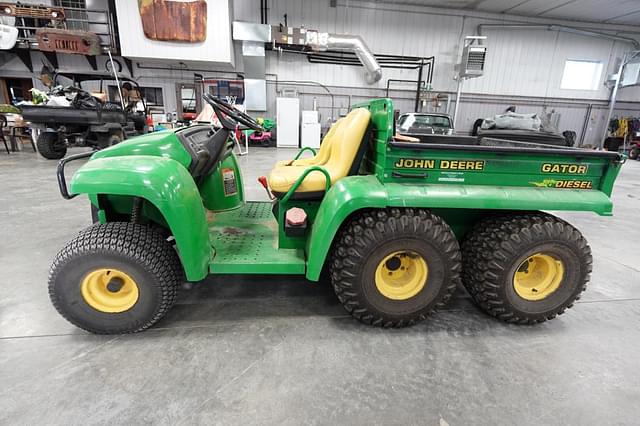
134, 241
495, 240
369, 227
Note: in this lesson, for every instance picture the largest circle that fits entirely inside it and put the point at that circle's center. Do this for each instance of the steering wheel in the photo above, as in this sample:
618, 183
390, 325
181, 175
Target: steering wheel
231, 112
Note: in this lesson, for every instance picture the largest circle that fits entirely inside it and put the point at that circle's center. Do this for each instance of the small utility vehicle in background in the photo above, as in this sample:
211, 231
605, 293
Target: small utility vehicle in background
90, 120
394, 225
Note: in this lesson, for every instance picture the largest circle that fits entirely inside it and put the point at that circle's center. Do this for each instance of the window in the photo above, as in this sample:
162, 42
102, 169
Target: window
151, 95
188, 95
581, 75
76, 14
232, 90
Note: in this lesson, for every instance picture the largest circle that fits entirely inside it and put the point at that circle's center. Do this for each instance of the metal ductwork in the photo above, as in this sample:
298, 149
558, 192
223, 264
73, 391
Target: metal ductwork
253, 37
303, 40
349, 43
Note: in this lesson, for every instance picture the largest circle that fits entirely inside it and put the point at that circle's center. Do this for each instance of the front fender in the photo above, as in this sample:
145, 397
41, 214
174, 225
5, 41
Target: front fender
167, 185
345, 197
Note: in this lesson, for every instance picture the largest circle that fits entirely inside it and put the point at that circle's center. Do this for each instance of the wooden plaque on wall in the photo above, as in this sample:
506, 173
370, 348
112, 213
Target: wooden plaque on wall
170, 20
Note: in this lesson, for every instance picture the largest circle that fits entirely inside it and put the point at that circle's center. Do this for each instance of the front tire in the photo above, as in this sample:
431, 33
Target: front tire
115, 278
394, 267
50, 146
525, 268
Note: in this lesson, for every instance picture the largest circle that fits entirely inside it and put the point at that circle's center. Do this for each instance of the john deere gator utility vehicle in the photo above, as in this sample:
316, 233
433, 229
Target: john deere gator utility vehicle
396, 225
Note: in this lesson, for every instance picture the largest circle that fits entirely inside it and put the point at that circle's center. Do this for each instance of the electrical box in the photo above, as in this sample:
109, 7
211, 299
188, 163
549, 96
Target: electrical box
473, 58
630, 75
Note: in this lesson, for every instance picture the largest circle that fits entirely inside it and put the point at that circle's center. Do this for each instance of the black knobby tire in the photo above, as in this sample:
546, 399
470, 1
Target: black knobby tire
497, 246
363, 243
116, 138
634, 154
136, 249
107, 140
50, 146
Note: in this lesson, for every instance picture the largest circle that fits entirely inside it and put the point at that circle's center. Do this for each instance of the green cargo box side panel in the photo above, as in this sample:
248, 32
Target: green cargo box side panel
246, 242
498, 197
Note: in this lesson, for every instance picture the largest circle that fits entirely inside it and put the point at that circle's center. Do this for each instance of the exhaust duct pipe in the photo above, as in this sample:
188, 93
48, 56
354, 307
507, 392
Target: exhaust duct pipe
349, 43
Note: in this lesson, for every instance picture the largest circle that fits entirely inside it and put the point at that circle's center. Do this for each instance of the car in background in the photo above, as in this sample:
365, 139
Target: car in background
417, 124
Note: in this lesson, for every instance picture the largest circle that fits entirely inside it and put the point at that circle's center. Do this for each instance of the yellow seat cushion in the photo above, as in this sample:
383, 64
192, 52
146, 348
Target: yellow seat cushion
344, 148
323, 153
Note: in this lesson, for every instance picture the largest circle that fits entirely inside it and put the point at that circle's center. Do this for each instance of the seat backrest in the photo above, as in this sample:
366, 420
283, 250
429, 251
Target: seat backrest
347, 142
327, 142
325, 148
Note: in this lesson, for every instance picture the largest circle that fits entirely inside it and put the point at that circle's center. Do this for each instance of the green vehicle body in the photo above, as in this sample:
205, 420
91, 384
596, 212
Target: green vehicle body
216, 232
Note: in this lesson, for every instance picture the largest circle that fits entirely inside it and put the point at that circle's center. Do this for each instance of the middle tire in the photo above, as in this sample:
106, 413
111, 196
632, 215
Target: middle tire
393, 267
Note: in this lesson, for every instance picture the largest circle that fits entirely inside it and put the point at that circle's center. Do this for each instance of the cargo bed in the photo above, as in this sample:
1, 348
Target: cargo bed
56, 115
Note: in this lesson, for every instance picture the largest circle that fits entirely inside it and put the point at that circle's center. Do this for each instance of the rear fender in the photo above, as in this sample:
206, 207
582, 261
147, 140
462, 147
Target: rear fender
167, 185
459, 205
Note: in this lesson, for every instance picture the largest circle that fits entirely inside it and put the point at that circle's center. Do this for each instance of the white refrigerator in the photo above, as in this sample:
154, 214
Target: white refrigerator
288, 122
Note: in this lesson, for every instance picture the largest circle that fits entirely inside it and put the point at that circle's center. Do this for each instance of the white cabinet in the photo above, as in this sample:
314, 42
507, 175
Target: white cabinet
310, 117
288, 122
310, 135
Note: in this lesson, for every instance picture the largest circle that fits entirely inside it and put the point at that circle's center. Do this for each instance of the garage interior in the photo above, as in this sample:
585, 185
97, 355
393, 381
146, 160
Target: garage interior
257, 348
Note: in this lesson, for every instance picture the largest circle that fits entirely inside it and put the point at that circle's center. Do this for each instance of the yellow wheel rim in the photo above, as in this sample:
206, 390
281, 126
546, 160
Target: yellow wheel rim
538, 276
109, 290
401, 275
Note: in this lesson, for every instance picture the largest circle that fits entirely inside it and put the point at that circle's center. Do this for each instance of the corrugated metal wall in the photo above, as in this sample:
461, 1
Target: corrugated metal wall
524, 67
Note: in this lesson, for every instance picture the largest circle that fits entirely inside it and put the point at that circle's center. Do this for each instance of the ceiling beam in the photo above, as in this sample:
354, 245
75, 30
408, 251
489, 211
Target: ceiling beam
556, 7
474, 4
624, 15
515, 6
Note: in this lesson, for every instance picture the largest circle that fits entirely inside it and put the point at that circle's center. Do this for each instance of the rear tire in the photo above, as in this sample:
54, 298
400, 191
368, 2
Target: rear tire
634, 154
394, 267
143, 263
50, 146
525, 268
105, 141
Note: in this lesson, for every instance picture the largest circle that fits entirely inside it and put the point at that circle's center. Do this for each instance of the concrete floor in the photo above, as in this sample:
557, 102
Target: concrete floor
280, 350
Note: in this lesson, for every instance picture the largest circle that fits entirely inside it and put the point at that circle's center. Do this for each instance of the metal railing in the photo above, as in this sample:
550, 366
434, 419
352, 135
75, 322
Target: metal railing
99, 22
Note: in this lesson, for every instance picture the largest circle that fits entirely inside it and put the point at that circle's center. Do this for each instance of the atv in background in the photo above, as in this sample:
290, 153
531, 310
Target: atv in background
89, 119
531, 128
